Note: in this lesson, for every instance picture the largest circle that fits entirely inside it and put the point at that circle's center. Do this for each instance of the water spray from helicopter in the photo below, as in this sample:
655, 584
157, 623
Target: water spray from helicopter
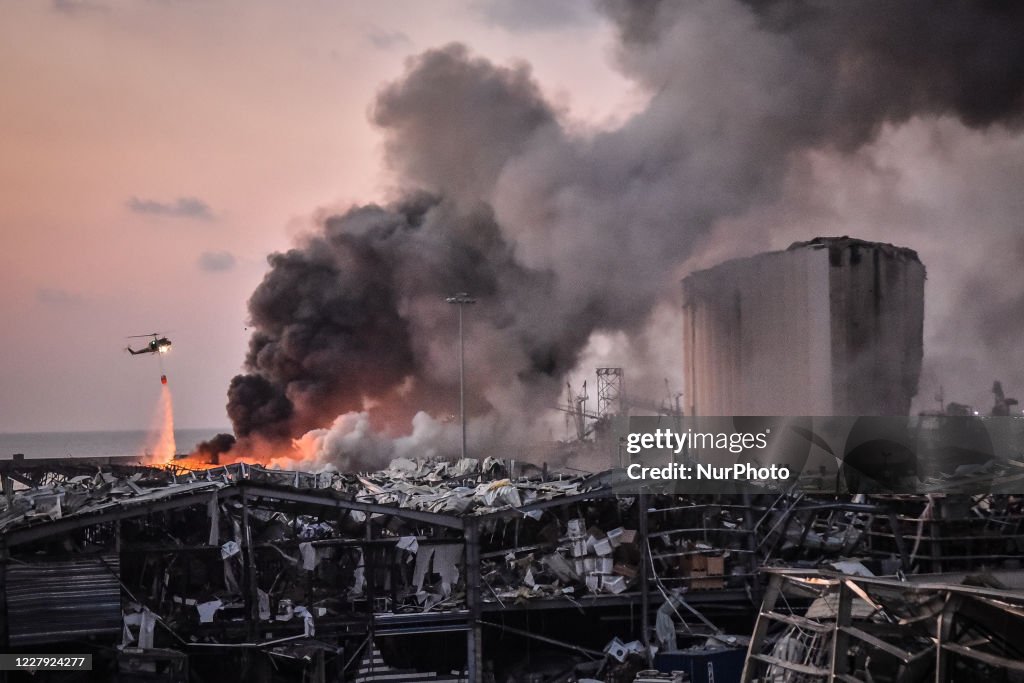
160, 447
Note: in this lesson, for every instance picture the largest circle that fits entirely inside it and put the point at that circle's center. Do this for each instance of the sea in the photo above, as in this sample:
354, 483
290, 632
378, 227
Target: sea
95, 444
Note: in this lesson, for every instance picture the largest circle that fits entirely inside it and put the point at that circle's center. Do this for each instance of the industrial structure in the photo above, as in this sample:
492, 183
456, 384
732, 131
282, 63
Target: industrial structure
832, 326
482, 571
457, 571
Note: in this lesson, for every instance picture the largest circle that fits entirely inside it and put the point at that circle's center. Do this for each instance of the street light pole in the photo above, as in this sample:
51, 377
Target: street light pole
461, 300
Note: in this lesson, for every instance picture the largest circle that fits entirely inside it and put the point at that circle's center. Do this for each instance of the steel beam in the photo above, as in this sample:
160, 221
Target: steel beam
838, 664
113, 513
645, 571
558, 501
474, 636
250, 579
326, 500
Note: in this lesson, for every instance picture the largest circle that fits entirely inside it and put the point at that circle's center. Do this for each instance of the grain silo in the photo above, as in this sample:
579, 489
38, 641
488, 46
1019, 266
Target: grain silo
832, 326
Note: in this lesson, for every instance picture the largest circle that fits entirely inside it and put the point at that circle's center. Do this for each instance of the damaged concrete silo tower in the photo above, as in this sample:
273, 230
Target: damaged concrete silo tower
832, 326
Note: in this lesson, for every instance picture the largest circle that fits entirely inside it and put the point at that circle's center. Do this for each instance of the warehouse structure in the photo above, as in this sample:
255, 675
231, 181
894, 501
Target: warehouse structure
432, 571
481, 571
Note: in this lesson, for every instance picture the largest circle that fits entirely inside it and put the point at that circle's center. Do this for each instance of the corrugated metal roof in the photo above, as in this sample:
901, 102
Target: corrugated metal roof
49, 602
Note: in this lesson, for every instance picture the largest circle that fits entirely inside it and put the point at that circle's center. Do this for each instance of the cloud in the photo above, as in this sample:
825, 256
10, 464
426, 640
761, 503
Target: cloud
216, 261
182, 207
535, 15
78, 7
383, 39
54, 296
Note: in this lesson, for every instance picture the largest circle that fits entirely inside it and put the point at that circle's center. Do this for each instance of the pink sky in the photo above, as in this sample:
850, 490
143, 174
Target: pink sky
156, 151
256, 109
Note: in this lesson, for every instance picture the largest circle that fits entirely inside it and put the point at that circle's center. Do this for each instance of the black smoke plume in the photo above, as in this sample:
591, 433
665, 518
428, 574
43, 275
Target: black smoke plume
563, 233
211, 450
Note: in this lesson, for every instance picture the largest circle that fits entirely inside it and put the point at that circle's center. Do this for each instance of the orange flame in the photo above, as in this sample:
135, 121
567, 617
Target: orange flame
304, 451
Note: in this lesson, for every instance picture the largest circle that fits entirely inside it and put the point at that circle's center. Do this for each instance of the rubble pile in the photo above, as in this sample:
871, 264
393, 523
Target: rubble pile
316, 570
582, 560
864, 628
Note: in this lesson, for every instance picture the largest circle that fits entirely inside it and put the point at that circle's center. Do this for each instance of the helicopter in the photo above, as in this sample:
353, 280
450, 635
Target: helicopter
157, 345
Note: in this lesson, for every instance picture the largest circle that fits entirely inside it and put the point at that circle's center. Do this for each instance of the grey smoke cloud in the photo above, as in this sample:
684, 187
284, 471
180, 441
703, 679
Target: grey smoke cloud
182, 207
566, 236
383, 39
947, 192
456, 120
55, 296
78, 7
216, 261
535, 15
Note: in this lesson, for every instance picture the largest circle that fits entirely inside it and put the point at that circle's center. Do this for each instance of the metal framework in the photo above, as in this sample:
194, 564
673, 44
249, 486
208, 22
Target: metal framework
611, 391
942, 621
764, 528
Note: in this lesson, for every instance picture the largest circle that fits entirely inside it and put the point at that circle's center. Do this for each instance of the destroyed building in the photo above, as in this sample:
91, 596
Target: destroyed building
832, 326
464, 571
484, 572
859, 627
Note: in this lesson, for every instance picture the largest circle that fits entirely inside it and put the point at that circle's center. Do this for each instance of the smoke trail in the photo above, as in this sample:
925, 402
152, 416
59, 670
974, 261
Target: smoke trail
565, 236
